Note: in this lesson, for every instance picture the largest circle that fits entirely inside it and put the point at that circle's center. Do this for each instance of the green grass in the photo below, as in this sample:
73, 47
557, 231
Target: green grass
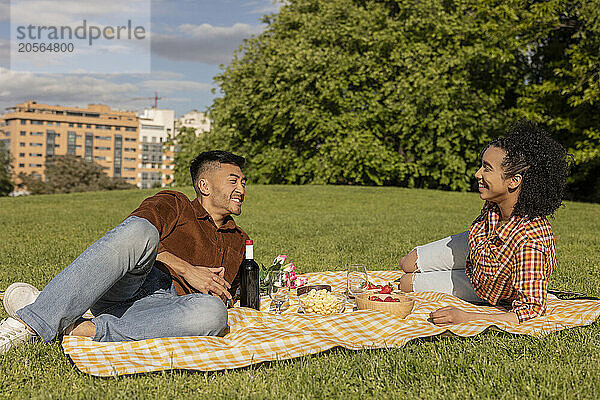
320, 227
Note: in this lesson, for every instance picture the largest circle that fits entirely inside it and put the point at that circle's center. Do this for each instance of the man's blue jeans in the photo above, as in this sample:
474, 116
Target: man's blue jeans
129, 297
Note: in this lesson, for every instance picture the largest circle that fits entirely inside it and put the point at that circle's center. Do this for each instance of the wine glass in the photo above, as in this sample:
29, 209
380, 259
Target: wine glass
357, 280
279, 288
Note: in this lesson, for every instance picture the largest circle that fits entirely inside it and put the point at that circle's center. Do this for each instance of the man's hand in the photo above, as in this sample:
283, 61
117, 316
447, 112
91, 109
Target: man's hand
204, 279
208, 280
451, 315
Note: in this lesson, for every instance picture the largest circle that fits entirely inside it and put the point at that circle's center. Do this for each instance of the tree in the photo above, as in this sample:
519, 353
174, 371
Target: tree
388, 92
6, 184
68, 173
564, 89
369, 92
186, 149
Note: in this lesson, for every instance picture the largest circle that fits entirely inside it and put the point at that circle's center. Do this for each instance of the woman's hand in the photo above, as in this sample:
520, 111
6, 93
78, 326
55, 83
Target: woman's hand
451, 315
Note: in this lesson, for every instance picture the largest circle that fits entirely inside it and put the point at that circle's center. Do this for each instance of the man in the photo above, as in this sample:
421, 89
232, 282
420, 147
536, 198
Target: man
165, 271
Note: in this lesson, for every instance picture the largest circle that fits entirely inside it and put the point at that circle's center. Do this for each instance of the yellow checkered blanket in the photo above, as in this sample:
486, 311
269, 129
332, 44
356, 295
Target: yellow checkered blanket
256, 336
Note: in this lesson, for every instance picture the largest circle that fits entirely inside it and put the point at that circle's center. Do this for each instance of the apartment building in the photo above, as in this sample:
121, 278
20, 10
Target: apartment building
194, 119
108, 137
155, 166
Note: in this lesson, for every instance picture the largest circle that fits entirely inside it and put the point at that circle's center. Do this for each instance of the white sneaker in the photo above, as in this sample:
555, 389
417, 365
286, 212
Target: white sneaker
17, 296
12, 334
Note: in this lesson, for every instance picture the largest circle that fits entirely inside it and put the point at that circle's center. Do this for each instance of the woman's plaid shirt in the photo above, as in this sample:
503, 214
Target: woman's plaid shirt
512, 262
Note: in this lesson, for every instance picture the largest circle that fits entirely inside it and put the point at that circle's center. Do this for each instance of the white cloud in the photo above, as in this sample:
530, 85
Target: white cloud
4, 10
65, 12
203, 43
209, 32
266, 8
61, 89
167, 86
72, 89
4, 52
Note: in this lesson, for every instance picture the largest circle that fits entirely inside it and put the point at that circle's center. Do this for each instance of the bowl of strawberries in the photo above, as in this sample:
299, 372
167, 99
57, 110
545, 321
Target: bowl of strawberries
392, 302
381, 289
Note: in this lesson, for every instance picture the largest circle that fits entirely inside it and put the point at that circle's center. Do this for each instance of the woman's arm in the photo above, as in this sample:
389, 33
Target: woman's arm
452, 315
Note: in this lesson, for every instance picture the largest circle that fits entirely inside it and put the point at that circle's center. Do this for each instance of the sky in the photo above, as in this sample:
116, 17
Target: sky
189, 39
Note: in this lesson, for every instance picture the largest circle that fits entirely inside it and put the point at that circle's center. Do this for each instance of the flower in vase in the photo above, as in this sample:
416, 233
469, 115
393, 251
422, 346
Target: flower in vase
289, 267
280, 259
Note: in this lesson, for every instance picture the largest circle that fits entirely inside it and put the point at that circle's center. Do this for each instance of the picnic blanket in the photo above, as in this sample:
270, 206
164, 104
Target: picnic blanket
258, 336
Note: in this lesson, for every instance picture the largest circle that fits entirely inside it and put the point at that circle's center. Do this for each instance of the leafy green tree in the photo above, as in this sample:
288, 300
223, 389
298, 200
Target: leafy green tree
6, 184
387, 92
564, 87
370, 92
186, 149
67, 174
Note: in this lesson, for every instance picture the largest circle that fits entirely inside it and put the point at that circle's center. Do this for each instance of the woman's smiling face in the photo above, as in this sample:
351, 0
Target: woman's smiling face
492, 184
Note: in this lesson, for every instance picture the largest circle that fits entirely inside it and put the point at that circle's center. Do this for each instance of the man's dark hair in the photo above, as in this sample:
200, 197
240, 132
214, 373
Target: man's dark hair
541, 161
211, 160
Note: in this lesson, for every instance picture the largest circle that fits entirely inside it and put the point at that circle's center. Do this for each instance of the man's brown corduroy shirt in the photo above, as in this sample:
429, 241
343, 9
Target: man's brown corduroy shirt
187, 231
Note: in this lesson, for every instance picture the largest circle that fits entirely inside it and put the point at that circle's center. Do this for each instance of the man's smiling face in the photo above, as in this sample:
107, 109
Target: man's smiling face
227, 189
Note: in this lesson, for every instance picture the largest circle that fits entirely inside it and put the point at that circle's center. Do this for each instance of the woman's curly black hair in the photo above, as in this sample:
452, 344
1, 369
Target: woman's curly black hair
541, 161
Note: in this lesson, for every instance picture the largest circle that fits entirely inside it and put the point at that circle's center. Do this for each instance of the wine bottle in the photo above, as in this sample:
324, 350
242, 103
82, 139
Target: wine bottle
250, 282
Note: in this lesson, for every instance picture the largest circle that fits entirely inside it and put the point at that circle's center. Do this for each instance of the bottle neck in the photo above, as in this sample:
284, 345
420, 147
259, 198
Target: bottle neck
249, 252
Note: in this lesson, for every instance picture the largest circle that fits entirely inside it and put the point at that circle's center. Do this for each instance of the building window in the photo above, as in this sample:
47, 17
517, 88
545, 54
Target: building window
21, 144
37, 122
128, 169
102, 137
35, 165
50, 123
6, 133
23, 133
21, 154
37, 133
23, 122
50, 143
36, 144
117, 128
129, 158
89, 146
118, 156
152, 153
101, 148
71, 125
130, 139
100, 158
71, 142
21, 165
80, 125
130, 129
35, 154
129, 149
88, 126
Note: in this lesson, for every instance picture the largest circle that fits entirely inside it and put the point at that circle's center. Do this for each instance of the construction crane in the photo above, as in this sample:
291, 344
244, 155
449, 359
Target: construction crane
155, 98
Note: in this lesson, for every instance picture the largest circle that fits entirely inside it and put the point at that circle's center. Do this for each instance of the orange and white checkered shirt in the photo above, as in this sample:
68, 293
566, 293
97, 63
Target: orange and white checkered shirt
511, 263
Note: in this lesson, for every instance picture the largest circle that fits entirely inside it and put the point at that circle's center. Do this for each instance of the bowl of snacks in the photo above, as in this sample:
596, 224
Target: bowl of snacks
307, 288
322, 302
393, 303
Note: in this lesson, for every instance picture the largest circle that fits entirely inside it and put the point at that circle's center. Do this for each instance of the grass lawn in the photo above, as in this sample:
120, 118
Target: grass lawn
321, 228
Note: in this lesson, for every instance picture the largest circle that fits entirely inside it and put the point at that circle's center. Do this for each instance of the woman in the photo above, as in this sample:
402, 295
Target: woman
508, 253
